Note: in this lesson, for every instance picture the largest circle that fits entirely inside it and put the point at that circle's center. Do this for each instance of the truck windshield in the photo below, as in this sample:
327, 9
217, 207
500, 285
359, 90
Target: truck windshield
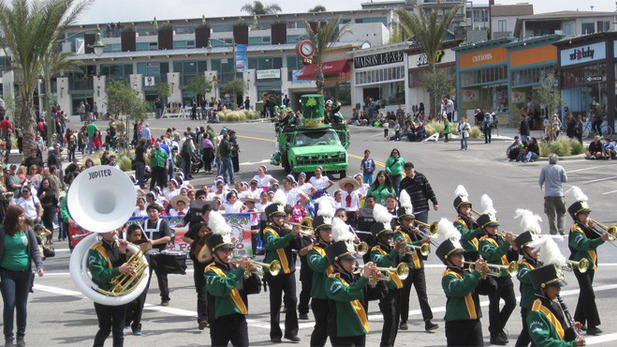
315, 138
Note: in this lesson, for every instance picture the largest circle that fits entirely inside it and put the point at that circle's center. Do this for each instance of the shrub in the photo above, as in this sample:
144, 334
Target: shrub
125, 163
475, 133
563, 146
433, 127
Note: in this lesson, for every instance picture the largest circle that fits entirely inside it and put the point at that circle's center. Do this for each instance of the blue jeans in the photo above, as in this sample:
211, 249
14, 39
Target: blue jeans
523, 138
396, 182
227, 168
463, 142
15, 288
367, 178
531, 156
90, 145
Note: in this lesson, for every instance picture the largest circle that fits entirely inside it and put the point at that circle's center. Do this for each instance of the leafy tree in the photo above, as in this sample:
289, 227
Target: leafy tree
548, 94
318, 8
53, 63
124, 100
162, 90
235, 87
199, 86
428, 33
322, 38
258, 8
436, 82
29, 29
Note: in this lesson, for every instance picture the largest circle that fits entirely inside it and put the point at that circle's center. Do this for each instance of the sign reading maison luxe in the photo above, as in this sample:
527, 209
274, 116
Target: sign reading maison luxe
378, 59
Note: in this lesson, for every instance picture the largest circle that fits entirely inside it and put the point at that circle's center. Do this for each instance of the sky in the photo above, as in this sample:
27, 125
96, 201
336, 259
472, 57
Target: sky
107, 11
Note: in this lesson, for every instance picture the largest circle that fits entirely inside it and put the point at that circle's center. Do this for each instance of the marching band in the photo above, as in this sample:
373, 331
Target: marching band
349, 266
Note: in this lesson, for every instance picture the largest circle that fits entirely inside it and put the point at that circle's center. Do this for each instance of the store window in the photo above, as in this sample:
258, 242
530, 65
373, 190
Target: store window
380, 75
587, 28
530, 76
603, 26
568, 28
485, 75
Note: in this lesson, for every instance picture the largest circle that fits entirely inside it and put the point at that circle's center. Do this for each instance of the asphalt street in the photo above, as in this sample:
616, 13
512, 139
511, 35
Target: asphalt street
60, 315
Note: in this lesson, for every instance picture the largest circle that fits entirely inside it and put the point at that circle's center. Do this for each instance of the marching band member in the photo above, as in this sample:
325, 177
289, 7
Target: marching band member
466, 223
321, 267
406, 231
530, 223
497, 250
546, 321
463, 326
383, 254
106, 260
347, 319
583, 241
135, 308
158, 234
228, 285
278, 243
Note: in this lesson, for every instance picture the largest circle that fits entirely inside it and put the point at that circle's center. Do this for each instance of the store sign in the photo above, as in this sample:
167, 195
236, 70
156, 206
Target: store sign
583, 54
470, 95
268, 74
294, 77
423, 58
378, 59
487, 56
149, 81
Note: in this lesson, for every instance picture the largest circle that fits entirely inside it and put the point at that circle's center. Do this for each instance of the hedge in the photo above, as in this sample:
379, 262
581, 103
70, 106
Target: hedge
563, 146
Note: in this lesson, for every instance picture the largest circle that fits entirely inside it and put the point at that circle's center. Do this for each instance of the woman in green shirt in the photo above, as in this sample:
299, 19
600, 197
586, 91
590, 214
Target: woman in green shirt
381, 187
394, 168
18, 248
446, 127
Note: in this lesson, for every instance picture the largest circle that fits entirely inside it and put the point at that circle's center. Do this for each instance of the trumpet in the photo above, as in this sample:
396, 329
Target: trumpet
511, 269
424, 249
306, 224
582, 265
384, 273
611, 230
274, 267
361, 248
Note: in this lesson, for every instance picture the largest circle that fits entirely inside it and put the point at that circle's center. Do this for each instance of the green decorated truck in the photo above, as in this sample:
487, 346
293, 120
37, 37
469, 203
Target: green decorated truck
313, 143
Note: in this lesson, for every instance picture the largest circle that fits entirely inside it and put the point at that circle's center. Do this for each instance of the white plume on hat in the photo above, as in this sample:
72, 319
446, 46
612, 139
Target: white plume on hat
461, 192
529, 221
549, 252
326, 207
381, 215
487, 206
576, 194
218, 225
447, 231
405, 201
340, 231
279, 198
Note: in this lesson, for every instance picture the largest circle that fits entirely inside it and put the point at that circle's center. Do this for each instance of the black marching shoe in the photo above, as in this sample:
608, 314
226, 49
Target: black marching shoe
8, 342
498, 339
403, 326
593, 331
428, 325
20, 341
275, 339
203, 324
293, 338
303, 316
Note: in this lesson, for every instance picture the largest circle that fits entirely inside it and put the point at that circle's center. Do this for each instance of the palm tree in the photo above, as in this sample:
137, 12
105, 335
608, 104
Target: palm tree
54, 63
318, 8
258, 8
322, 38
428, 33
29, 30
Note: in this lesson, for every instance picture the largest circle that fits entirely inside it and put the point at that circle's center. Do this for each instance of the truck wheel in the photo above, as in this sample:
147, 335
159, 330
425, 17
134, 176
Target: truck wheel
343, 174
285, 164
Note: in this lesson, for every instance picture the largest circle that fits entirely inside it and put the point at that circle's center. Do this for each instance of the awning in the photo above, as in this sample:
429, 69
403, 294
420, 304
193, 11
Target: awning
329, 68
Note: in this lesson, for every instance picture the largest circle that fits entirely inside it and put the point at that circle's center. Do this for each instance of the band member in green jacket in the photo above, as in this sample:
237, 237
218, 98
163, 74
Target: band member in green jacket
463, 326
549, 322
106, 260
466, 224
528, 263
227, 285
347, 319
583, 241
279, 239
413, 237
320, 265
498, 250
386, 254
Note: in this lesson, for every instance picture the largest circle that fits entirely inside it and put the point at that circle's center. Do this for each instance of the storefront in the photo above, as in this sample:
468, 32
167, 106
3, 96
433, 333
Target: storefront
382, 76
530, 61
482, 78
587, 74
336, 79
417, 65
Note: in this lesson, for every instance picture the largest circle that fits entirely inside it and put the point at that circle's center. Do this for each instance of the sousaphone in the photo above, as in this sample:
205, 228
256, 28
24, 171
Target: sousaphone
102, 199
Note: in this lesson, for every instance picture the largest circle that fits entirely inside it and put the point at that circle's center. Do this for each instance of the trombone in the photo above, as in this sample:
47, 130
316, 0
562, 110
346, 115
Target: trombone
432, 228
306, 225
384, 273
611, 230
274, 267
511, 269
582, 265
424, 249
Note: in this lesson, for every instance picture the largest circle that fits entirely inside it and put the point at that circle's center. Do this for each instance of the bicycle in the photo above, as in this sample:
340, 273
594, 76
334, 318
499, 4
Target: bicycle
588, 130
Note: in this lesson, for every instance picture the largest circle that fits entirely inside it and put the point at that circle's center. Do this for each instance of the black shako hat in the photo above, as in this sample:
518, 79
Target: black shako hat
339, 250
547, 276
448, 248
216, 241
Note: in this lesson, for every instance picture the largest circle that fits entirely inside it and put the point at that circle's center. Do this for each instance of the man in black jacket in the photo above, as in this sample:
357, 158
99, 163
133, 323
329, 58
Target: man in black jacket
420, 191
524, 128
